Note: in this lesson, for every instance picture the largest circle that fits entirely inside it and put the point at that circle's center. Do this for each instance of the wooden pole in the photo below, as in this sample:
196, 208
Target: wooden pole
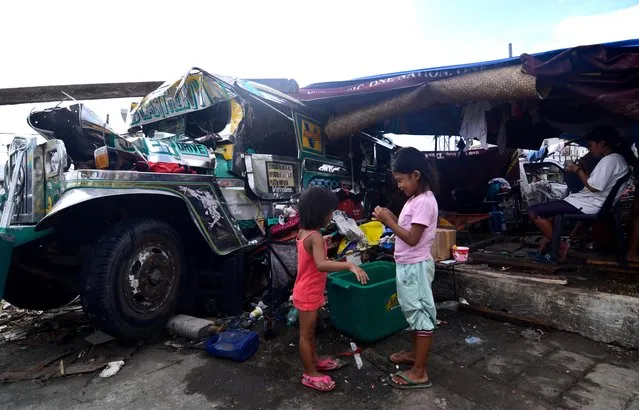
53, 93
103, 91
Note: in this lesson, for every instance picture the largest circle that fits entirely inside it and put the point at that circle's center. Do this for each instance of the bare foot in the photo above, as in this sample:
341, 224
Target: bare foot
543, 245
403, 357
410, 375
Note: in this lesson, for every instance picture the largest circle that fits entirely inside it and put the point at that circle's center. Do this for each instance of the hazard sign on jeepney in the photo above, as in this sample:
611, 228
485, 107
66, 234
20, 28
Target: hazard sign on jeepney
309, 134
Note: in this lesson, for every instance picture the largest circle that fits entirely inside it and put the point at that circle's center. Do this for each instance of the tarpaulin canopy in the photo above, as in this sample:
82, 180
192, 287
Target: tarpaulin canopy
605, 74
360, 103
394, 81
414, 78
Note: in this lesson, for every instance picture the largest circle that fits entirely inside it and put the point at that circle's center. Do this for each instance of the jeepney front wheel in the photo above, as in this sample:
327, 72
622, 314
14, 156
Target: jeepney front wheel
132, 278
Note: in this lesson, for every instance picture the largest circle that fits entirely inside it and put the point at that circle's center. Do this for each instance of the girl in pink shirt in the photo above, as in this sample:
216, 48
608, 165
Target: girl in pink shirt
415, 230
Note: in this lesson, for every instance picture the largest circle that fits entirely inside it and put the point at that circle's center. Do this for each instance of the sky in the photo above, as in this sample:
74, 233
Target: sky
75, 42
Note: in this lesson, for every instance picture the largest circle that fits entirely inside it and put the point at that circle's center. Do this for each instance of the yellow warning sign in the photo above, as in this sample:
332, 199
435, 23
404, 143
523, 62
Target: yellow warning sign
311, 136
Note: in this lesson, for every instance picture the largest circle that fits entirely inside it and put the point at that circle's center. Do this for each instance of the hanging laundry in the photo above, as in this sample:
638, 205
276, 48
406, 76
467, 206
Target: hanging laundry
474, 122
502, 138
538, 155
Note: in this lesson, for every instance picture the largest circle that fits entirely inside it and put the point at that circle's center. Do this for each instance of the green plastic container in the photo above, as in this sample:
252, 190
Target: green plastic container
367, 312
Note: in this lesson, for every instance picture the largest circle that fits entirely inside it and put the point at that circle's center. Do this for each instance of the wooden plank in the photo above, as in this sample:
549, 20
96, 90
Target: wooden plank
35, 372
53, 93
553, 280
609, 262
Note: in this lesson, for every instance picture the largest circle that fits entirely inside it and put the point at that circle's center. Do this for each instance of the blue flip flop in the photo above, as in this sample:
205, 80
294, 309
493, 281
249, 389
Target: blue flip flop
540, 257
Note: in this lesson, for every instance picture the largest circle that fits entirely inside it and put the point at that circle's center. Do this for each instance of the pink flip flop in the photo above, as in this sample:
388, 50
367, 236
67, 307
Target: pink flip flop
328, 364
322, 383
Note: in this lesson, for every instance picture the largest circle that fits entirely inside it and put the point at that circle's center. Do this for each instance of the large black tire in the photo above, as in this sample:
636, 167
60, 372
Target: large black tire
27, 290
133, 278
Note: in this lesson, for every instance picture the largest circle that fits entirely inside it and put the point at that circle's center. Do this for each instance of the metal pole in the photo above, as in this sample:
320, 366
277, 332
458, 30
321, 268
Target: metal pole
510, 50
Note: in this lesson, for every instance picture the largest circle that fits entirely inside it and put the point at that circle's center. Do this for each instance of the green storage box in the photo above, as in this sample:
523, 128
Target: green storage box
367, 312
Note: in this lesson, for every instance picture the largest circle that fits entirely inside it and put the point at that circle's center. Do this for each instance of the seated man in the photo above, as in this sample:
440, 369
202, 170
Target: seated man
611, 168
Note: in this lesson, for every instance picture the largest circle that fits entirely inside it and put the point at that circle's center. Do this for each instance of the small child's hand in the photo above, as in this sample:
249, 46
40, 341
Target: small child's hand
361, 275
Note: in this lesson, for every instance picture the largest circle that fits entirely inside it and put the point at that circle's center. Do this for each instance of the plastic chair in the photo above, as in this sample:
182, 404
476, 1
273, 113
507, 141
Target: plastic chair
609, 207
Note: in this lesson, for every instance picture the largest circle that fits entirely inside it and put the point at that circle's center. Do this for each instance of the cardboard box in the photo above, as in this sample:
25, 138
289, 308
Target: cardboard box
444, 241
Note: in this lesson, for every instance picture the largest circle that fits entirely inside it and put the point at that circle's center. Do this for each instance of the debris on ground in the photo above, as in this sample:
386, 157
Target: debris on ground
174, 345
15, 335
40, 370
98, 338
473, 340
380, 362
56, 343
532, 334
191, 327
451, 305
358, 357
112, 369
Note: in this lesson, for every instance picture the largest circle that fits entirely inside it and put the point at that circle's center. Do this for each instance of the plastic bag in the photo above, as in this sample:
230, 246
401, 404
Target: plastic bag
348, 227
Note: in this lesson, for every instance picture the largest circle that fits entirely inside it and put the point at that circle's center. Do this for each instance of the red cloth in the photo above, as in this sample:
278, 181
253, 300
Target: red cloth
288, 225
163, 168
351, 208
308, 292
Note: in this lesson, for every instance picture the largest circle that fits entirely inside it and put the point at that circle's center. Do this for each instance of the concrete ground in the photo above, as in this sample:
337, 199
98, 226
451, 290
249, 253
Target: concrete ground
476, 364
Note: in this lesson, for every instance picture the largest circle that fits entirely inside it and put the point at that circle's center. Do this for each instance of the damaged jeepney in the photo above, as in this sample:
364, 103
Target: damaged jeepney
161, 218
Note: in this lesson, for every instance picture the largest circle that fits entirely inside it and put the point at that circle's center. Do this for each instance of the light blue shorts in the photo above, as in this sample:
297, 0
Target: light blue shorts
415, 294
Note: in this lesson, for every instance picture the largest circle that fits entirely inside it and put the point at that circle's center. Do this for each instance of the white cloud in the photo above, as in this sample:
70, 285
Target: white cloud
75, 42
573, 31
68, 41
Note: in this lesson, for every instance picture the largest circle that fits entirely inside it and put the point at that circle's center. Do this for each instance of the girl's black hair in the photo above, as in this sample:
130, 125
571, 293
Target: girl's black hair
409, 159
316, 203
611, 137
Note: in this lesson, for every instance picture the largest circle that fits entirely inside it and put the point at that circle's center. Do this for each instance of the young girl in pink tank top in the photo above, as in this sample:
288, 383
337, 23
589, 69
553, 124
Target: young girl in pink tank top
316, 207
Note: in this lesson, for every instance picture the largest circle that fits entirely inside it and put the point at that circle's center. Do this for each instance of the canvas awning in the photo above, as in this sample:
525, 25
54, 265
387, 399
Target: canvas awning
361, 103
